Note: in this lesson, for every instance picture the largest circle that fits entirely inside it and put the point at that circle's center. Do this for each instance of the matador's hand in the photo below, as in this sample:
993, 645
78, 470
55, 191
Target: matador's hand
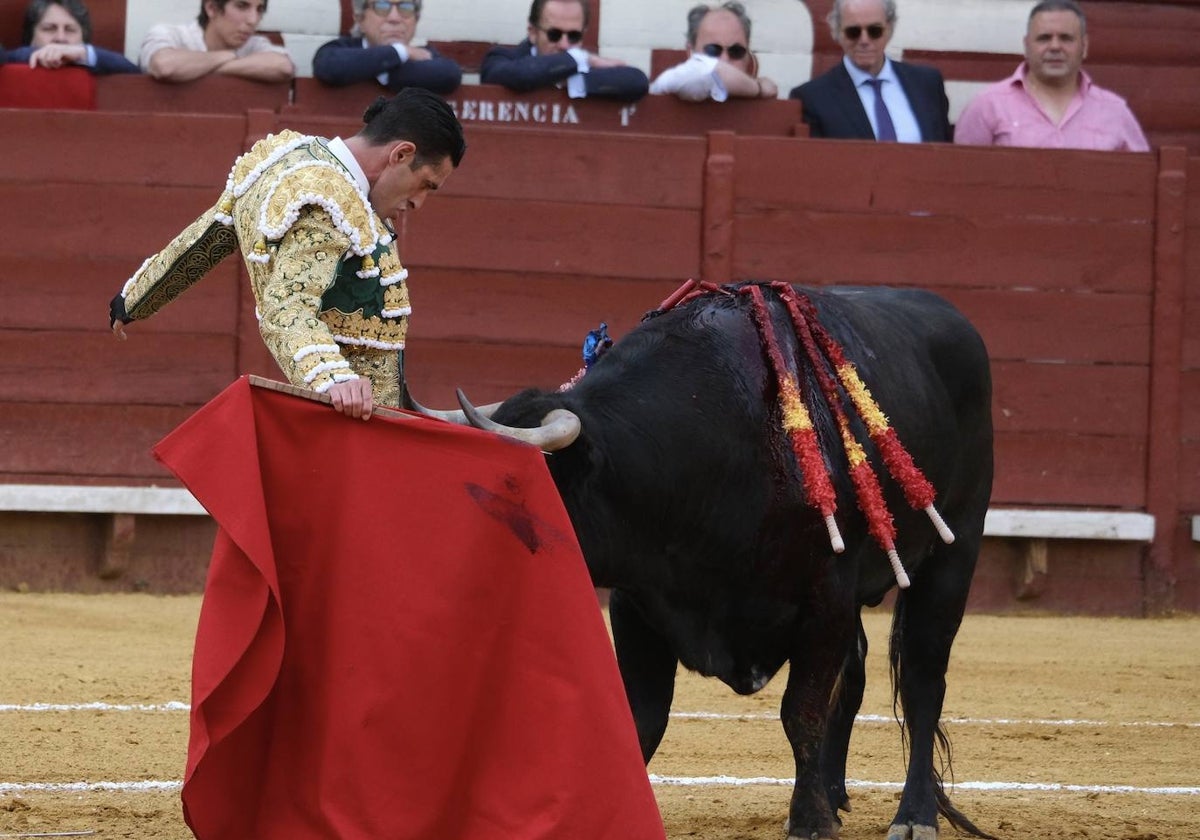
353, 398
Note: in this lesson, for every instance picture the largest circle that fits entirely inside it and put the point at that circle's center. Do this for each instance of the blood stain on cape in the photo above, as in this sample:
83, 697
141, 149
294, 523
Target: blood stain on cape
509, 510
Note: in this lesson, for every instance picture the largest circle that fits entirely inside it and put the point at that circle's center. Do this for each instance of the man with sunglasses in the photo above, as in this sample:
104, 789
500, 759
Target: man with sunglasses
721, 64
867, 96
552, 56
1050, 102
379, 48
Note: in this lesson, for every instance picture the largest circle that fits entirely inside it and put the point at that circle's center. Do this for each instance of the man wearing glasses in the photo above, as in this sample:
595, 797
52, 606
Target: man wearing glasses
721, 64
867, 96
551, 56
379, 48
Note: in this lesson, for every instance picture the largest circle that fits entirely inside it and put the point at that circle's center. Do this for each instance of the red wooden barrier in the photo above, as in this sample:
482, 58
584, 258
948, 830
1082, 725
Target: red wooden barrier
1070, 263
494, 105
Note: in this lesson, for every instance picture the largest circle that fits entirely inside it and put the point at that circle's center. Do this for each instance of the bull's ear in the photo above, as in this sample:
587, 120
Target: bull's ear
558, 429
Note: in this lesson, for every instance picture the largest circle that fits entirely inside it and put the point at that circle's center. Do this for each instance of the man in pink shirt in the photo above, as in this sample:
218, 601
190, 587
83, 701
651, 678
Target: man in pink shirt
1050, 102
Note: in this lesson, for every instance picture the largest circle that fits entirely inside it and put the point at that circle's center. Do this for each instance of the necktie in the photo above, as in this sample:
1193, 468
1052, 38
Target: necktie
883, 118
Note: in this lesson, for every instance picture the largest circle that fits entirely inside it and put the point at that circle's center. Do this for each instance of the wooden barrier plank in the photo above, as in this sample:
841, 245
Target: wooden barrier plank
1191, 289
1189, 476
1099, 400
1189, 469
936, 252
1159, 96
97, 368
213, 94
1190, 405
84, 285
487, 372
514, 308
564, 238
1054, 325
479, 106
110, 442
1069, 470
49, 147
1143, 33
928, 179
557, 166
107, 221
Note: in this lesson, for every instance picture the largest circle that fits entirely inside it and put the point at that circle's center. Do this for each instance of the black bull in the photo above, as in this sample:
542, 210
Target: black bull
688, 504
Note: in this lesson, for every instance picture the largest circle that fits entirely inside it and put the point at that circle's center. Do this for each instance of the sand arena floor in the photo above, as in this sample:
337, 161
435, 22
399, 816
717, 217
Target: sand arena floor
1062, 728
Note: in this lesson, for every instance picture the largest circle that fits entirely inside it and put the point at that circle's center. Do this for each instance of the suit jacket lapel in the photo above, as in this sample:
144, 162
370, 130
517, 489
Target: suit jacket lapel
851, 103
917, 100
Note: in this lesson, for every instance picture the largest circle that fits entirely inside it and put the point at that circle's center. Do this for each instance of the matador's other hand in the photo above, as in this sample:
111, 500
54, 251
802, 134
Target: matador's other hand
353, 398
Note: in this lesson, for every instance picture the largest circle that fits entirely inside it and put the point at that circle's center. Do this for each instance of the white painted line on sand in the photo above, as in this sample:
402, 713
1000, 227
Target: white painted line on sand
150, 786
179, 706
173, 706
961, 721
1052, 787
10, 788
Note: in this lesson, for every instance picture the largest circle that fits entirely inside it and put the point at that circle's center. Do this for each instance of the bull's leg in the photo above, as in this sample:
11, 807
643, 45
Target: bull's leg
647, 668
846, 703
820, 651
926, 620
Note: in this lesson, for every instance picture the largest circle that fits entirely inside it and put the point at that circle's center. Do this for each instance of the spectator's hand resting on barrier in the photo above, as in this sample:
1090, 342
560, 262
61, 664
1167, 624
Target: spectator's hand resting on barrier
58, 55
767, 89
353, 398
601, 61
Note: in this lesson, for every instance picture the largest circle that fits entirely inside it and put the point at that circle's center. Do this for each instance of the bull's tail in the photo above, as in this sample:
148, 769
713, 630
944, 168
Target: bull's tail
945, 807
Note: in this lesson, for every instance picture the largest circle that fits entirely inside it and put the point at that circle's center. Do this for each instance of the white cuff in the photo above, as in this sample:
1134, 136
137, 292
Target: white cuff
401, 51
581, 58
89, 58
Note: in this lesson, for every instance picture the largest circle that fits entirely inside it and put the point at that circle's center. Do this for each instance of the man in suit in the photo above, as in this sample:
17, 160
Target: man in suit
551, 56
380, 48
868, 96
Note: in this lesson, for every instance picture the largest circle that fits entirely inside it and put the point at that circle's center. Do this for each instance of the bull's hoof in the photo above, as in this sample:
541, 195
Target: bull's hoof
814, 835
898, 831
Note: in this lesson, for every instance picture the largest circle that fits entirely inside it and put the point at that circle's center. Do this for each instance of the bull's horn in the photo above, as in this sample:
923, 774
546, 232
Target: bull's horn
558, 430
457, 416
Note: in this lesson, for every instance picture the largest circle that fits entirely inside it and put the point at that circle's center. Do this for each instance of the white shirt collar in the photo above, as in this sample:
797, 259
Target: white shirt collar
887, 73
342, 152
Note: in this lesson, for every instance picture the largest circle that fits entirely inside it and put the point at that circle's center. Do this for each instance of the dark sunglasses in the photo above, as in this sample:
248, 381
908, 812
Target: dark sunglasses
384, 7
554, 35
736, 51
874, 32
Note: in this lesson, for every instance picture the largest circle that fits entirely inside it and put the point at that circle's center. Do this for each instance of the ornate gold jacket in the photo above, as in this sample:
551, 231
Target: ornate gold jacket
328, 286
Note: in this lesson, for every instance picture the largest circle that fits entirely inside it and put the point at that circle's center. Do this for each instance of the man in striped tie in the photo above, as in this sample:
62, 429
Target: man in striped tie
868, 96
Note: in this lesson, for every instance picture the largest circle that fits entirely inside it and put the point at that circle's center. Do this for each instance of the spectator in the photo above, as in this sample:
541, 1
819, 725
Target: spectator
379, 47
58, 33
1050, 102
221, 40
867, 96
551, 56
315, 222
721, 64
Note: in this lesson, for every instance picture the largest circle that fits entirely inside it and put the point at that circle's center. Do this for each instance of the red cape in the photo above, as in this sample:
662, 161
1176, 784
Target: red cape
398, 637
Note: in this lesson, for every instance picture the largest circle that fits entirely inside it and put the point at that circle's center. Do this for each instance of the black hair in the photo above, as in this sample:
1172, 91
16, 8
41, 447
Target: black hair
203, 18
1061, 6
36, 10
535, 12
419, 116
